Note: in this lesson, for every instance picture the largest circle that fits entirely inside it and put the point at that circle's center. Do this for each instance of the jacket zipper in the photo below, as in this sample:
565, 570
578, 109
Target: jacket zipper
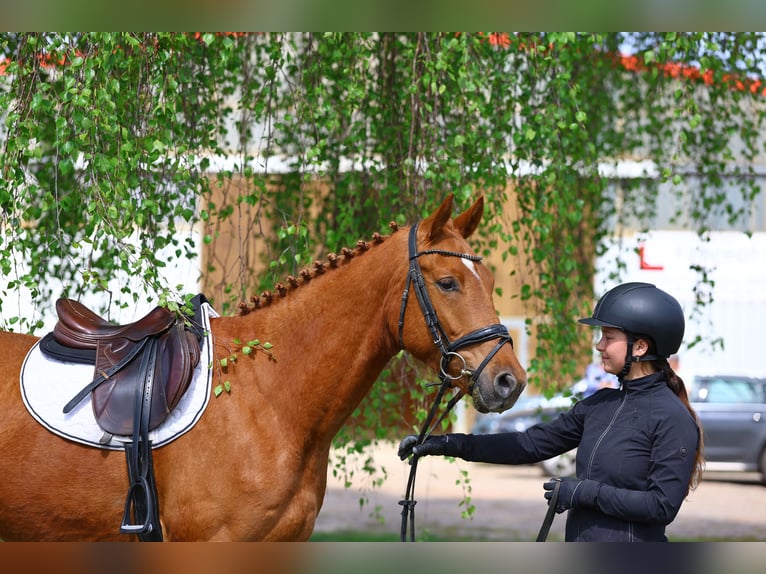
598, 443
606, 430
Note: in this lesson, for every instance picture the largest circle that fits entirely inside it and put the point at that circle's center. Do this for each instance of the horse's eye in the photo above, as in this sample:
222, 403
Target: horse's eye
448, 284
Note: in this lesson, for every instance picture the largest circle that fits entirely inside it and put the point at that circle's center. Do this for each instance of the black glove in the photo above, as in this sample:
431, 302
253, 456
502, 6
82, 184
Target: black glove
434, 445
573, 492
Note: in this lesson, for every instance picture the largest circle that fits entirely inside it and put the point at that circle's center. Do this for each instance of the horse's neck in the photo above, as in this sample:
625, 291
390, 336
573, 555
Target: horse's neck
331, 338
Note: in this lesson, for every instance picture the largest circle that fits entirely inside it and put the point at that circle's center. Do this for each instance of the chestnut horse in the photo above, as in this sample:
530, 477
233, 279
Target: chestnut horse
255, 465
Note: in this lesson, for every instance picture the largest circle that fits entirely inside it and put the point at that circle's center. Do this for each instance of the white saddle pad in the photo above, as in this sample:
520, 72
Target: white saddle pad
47, 385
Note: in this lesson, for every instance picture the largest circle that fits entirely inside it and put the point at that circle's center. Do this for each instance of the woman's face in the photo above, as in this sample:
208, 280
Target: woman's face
613, 347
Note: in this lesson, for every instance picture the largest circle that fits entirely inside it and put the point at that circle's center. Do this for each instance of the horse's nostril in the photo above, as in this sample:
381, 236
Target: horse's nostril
505, 385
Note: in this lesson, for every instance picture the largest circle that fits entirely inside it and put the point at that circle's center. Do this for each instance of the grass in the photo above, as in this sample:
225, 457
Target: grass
393, 536
353, 536
359, 536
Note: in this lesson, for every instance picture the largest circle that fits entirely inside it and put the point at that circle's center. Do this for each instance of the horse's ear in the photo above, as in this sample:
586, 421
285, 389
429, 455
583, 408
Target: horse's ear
434, 222
468, 221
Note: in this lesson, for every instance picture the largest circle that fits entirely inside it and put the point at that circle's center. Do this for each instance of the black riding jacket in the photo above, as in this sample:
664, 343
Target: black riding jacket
636, 451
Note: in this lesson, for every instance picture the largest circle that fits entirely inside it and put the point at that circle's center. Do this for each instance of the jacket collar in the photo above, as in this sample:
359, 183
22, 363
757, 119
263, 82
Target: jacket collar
644, 383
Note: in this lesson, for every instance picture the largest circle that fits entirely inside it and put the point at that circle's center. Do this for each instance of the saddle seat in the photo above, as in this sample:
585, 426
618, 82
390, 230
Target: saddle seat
80, 328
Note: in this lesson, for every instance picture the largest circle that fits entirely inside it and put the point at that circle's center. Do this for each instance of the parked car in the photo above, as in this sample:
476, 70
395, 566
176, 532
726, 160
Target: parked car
732, 410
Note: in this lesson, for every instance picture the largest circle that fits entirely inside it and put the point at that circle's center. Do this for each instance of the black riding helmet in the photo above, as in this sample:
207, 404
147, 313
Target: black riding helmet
641, 309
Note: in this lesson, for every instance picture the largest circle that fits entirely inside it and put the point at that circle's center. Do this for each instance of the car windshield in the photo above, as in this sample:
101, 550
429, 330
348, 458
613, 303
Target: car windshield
727, 390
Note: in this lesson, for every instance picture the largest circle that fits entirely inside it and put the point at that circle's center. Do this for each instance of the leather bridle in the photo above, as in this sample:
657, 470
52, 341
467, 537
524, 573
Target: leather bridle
449, 350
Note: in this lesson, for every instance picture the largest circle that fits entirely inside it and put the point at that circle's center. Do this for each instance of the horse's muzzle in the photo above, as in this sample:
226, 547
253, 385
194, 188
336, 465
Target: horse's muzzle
498, 394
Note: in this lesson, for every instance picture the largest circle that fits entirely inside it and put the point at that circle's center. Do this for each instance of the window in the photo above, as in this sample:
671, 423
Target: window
721, 390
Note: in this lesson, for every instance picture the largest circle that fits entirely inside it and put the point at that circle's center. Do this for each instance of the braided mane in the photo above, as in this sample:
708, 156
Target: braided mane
318, 268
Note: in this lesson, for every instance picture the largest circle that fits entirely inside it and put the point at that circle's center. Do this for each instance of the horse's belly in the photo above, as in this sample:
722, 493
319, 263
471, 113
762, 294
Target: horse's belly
254, 518
54, 490
212, 498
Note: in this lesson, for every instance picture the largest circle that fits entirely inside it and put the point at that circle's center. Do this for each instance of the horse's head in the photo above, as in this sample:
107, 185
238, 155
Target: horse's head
453, 323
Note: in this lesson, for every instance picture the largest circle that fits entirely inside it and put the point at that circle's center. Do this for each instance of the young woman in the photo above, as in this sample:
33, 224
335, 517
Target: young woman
639, 447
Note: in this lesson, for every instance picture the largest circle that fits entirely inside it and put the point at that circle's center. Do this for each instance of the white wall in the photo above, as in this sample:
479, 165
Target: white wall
737, 265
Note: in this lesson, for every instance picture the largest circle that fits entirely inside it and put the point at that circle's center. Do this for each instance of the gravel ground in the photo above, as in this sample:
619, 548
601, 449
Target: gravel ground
509, 505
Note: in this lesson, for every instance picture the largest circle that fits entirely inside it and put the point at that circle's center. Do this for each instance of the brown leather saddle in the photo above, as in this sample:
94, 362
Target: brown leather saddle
141, 371
122, 355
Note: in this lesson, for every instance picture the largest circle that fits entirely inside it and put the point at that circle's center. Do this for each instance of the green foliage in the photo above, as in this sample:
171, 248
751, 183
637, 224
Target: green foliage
95, 183
111, 142
234, 349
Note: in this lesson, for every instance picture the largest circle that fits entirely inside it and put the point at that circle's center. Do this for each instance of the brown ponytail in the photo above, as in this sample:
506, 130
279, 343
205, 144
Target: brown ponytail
678, 387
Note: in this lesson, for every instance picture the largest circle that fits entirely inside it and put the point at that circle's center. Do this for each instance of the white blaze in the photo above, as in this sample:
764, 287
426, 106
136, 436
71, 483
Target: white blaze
468, 263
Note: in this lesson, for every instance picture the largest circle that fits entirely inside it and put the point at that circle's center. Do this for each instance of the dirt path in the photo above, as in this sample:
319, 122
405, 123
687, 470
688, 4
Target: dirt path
509, 504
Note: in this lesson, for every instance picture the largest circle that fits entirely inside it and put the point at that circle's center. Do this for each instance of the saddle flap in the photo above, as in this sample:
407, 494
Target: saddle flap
179, 353
114, 400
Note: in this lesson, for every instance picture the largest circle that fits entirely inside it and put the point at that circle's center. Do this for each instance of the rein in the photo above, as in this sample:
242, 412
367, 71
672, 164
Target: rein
551, 513
449, 350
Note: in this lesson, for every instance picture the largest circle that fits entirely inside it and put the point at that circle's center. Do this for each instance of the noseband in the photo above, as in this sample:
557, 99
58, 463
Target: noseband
449, 350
